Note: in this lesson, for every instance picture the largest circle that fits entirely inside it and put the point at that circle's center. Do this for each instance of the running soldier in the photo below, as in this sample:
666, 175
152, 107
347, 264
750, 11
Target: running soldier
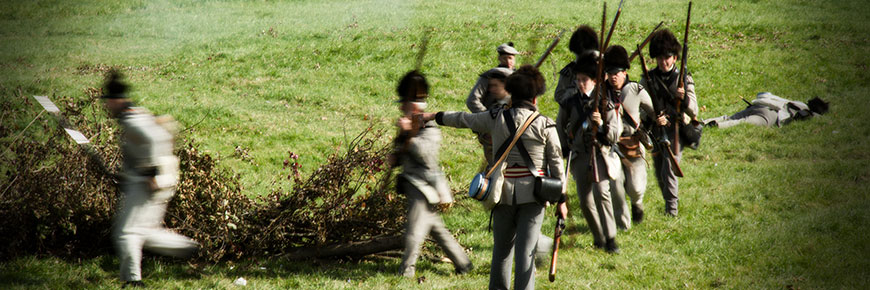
148, 179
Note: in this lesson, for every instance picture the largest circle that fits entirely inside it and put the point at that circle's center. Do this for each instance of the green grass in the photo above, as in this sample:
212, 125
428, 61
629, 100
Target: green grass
760, 207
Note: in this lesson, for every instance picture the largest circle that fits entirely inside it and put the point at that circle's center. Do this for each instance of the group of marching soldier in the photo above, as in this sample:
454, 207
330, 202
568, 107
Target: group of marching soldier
606, 126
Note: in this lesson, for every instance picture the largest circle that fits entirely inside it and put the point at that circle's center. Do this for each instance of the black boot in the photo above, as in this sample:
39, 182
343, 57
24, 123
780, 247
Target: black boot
636, 215
134, 284
611, 246
597, 245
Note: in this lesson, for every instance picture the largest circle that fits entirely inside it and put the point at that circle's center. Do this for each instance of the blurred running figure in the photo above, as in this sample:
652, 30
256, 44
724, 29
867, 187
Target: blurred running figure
148, 179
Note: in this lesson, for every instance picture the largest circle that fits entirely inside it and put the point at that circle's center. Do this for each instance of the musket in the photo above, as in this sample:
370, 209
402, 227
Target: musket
557, 238
644, 43
597, 98
659, 107
424, 43
77, 136
549, 49
560, 226
745, 101
682, 79
613, 25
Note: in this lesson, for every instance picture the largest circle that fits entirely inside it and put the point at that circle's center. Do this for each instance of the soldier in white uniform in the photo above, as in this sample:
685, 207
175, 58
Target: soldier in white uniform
636, 107
770, 110
516, 220
149, 176
422, 181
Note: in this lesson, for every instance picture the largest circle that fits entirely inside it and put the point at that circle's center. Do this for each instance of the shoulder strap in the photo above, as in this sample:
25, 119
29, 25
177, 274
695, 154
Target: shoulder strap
516, 136
527, 158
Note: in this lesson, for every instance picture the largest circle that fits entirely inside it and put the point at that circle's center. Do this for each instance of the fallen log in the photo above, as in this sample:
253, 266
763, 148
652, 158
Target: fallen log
352, 249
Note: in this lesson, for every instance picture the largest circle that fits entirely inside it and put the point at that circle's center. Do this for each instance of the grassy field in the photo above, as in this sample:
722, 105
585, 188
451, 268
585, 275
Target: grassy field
760, 207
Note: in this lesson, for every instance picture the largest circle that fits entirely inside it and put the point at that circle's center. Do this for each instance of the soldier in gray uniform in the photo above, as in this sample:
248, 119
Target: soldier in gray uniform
584, 42
422, 181
576, 120
664, 47
636, 107
149, 176
516, 220
487, 94
770, 110
482, 98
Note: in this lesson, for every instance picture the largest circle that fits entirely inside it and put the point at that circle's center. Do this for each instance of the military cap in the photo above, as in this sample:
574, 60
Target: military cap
525, 84
497, 73
583, 41
413, 87
663, 43
616, 59
114, 88
587, 65
507, 48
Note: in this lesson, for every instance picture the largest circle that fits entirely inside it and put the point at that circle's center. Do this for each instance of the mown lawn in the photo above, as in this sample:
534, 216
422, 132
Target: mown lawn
760, 207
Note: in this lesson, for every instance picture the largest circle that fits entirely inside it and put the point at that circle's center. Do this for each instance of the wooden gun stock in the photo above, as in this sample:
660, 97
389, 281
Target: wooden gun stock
557, 238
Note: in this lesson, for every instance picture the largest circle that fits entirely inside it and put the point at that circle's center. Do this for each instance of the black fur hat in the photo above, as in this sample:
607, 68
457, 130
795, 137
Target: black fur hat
583, 41
587, 65
525, 84
664, 43
413, 87
817, 105
616, 58
115, 88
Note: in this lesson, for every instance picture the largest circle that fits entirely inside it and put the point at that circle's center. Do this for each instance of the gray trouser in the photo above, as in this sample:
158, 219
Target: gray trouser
423, 220
515, 232
631, 182
667, 178
595, 199
755, 115
138, 225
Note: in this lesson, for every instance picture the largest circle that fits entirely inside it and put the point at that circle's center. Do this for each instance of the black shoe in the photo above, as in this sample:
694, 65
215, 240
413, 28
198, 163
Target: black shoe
636, 215
133, 284
597, 245
464, 270
611, 246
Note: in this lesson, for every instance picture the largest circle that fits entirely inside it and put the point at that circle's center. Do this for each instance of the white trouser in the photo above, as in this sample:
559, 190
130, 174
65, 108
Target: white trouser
138, 225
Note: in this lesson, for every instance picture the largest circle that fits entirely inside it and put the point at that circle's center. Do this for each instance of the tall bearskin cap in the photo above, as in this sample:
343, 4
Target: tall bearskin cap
818, 106
616, 58
663, 43
115, 88
583, 41
525, 84
413, 87
587, 65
